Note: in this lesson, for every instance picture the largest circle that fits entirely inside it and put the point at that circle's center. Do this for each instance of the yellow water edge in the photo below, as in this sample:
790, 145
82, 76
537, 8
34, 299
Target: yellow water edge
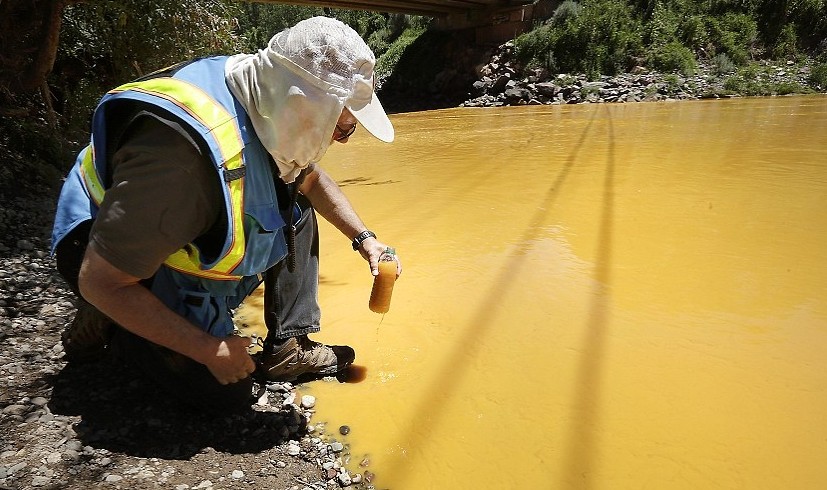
593, 297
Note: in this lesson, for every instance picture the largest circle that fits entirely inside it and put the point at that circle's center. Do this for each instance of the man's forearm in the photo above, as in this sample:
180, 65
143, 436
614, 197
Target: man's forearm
121, 297
136, 309
331, 203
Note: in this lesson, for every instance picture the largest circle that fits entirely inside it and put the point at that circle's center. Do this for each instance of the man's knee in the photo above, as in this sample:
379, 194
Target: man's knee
184, 379
69, 254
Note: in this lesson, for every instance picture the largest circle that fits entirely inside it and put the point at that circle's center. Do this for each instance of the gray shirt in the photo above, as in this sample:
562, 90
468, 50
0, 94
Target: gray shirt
164, 194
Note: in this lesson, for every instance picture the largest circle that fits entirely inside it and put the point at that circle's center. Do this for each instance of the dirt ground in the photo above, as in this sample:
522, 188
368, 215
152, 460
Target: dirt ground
101, 425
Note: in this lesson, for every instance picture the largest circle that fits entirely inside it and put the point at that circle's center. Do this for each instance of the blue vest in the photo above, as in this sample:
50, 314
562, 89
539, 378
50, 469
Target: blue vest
205, 292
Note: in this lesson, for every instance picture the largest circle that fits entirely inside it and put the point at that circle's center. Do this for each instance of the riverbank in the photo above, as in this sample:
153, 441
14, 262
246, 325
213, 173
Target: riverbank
101, 425
501, 84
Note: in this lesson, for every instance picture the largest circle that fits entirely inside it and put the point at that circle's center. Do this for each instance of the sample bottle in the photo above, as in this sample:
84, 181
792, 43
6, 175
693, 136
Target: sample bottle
380, 294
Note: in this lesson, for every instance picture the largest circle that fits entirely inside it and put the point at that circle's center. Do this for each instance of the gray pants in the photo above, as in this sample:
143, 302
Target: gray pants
291, 305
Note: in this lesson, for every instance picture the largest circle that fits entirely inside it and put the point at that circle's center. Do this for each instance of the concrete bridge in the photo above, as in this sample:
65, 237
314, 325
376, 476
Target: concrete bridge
494, 21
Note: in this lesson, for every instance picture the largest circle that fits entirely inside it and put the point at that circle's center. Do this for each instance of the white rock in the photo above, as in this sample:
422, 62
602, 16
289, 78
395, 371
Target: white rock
113, 478
344, 478
25, 245
39, 481
39, 401
15, 409
237, 475
308, 401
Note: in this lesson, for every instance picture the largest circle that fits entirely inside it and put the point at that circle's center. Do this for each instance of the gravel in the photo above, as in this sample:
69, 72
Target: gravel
102, 425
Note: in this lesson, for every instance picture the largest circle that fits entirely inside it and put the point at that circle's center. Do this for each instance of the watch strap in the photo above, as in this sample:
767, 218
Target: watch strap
361, 237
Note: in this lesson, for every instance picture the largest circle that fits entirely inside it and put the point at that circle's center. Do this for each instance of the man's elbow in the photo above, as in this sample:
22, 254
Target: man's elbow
95, 279
88, 284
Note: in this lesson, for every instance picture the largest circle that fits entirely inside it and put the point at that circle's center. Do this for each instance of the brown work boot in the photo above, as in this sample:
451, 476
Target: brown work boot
301, 357
86, 338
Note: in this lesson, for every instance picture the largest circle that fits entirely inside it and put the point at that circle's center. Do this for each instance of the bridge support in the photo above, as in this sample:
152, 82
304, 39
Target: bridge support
495, 26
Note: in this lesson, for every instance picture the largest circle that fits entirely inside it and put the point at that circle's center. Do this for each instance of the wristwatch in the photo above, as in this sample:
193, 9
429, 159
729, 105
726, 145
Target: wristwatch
361, 237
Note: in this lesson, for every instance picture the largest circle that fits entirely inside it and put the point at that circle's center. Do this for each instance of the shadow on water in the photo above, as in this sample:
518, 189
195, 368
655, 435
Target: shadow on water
121, 412
580, 449
354, 373
478, 328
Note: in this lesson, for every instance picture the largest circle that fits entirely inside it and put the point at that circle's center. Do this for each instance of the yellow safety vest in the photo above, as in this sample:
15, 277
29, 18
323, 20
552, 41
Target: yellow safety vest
223, 128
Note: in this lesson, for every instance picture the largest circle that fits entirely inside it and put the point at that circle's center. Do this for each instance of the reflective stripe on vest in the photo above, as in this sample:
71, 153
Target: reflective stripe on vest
90, 175
223, 128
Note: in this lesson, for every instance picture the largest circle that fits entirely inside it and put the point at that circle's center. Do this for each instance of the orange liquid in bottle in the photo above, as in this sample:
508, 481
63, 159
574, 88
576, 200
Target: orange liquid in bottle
380, 294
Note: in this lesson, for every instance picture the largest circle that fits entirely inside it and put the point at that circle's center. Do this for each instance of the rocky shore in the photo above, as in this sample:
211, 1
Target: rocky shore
66, 426
500, 84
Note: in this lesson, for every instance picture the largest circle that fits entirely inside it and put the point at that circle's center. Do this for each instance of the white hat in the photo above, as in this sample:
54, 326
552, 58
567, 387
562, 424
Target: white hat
329, 51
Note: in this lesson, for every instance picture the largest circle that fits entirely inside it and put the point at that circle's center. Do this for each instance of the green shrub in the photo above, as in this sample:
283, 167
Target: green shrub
34, 157
534, 47
785, 45
105, 44
674, 57
755, 80
380, 40
755, 88
567, 10
818, 76
734, 84
662, 28
806, 16
747, 82
694, 33
672, 83
785, 88
597, 37
602, 39
723, 64
733, 34
386, 63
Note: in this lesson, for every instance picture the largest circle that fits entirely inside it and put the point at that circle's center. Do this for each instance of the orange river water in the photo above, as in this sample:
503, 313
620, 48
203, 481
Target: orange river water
593, 297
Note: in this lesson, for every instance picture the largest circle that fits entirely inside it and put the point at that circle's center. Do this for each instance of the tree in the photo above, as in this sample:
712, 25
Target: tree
69, 49
29, 34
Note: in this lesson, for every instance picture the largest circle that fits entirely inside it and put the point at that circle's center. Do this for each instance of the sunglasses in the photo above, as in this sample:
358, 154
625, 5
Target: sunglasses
344, 133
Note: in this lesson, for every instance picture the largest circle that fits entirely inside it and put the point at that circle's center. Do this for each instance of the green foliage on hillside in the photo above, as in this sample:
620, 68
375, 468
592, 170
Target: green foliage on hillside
104, 44
388, 60
597, 36
611, 36
818, 77
258, 22
107, 43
